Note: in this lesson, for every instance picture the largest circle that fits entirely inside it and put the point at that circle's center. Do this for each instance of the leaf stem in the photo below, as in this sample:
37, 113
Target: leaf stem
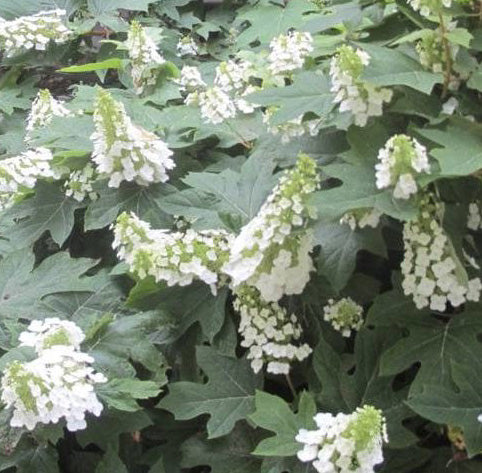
290, 385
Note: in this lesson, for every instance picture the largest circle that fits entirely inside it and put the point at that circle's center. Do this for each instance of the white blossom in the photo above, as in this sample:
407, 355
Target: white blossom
272, 252
360, 98
43, 334
288, 52
79, 184
232, 75
361, 218
58, 384
292, 128
450, 106
177, 258
344, 315
44, 109
474, 220
144, 57
216, 105
345, 443
124, 151
186, 46
191, 79
432, 273
270, 334
400, 160
33, 32
24, 170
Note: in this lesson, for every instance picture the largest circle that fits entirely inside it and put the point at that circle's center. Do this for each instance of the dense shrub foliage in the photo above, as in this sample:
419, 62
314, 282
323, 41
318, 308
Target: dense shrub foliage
240, 236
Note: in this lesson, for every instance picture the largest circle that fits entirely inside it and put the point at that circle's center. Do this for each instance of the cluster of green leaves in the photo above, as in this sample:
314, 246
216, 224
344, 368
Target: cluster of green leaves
181, 394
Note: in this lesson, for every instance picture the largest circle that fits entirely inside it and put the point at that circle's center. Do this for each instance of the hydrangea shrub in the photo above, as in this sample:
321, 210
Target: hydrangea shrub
240, 236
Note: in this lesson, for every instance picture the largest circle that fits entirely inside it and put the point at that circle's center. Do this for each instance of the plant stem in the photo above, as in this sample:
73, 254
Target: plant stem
448, 57
290, 385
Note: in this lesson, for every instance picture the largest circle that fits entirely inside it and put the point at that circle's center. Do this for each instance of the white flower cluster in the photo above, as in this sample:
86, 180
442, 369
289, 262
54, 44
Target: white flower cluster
58, 384
191, 79
344, 315
432, 273
288, 52
79, 184
361, 218
33, 32
474, 221
186, 46
360, 98
44, 109
23, 171
272, 252
144, 57
225, 98
401, 158
345, 443
268, 332
429, 7
175, 257
124, 151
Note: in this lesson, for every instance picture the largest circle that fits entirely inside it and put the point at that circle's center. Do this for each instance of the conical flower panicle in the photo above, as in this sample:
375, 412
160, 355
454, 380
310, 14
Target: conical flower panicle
144, 57
345, 443
58, 384
124, 151
400, 160
270, 334
272, 252
288, 52
432, 272
360, 98
177, 258
33, 32
44, 109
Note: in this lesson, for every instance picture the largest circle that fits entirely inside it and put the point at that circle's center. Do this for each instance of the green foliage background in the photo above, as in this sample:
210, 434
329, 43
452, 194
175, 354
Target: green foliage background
181, 395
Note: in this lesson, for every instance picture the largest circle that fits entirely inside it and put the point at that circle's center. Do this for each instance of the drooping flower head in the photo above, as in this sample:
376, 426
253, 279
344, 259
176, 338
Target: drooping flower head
58, 384
44, 109
353, 94
232, 75
177, 258
345, 443
191, 79
144, 57
345, 315
216, 105
24, 170
269, 332
124, 151
272, 252
400, 160
288, 52
432, 272
33, 32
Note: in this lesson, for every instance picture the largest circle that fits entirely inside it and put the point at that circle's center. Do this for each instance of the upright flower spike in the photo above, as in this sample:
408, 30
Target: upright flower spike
432, 272
216, 106
124, 151
400, 160
345, 443
144, 57
272, 252
44, 109
177, 258
354, 95
58, 384
191, 79
288, 52
270, 334
23, 171
33, 32
345, 315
